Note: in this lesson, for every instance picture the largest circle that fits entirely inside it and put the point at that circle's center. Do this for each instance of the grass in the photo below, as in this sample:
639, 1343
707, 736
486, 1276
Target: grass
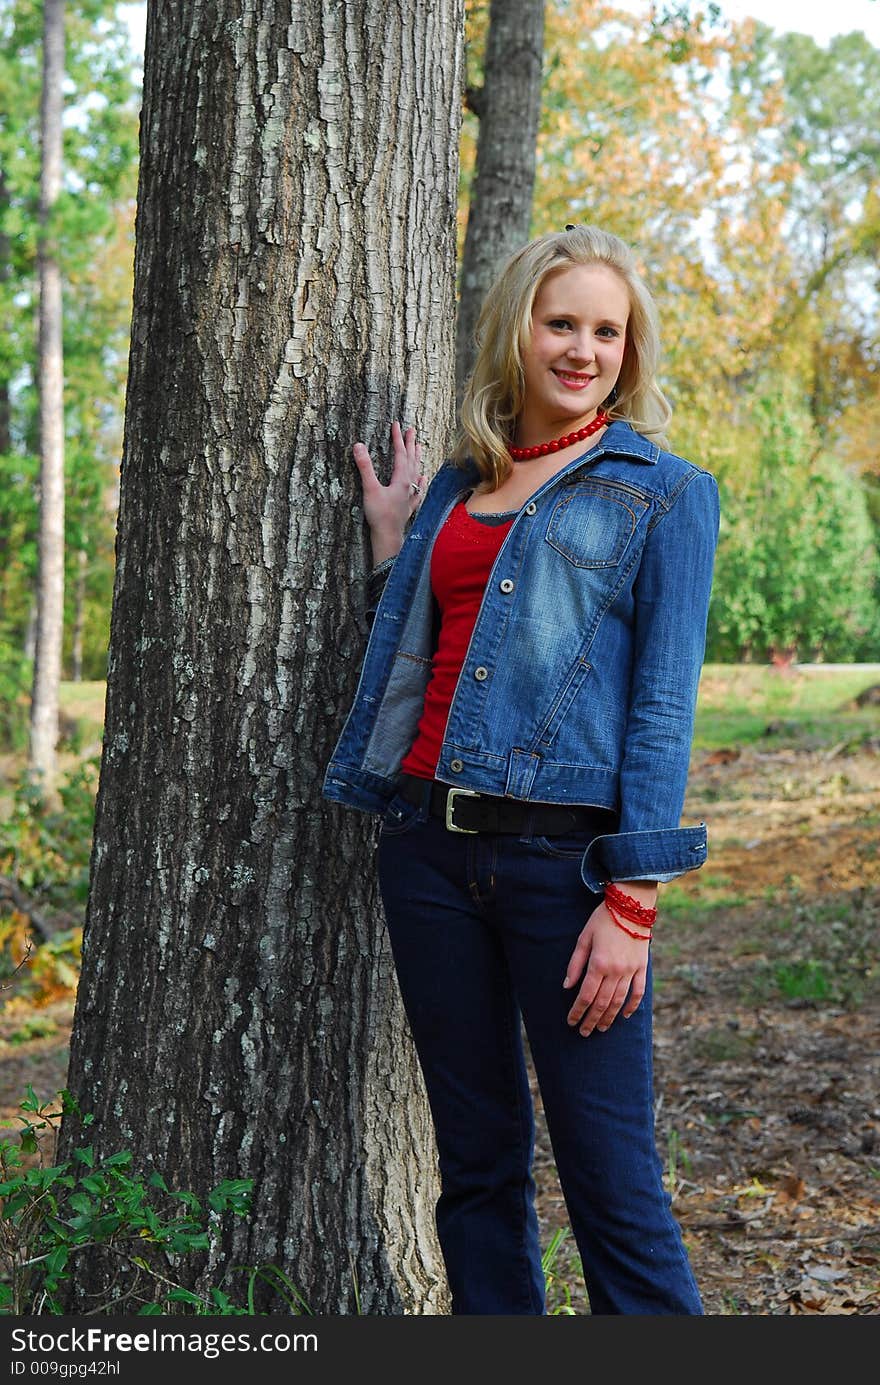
737, 702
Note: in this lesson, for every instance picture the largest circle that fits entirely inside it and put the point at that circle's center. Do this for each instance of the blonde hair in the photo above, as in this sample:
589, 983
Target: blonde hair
495, 390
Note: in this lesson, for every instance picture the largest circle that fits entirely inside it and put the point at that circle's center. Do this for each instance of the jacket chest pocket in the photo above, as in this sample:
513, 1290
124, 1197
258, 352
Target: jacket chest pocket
593, 525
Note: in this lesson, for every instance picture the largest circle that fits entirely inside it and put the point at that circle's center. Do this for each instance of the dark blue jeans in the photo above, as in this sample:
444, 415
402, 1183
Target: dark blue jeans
481, 929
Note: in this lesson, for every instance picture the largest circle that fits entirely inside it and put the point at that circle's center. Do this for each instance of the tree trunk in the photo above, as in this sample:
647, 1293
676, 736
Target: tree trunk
237, 1014
500, 210
50, 371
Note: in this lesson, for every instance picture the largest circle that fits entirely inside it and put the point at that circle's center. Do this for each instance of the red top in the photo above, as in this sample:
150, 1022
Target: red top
461, 561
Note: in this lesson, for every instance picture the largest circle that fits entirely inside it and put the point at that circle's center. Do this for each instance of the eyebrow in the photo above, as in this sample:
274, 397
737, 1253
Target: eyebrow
603, 322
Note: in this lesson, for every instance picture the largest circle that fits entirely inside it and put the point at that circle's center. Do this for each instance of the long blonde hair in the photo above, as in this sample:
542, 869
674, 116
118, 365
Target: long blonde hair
495, 391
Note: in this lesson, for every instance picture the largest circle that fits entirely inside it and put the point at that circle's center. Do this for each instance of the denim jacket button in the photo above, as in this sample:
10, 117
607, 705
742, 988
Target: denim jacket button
456, 766
481, 673
531, 508
506, 585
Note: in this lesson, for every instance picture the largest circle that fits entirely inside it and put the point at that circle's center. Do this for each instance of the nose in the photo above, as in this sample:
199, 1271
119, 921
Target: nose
580, 348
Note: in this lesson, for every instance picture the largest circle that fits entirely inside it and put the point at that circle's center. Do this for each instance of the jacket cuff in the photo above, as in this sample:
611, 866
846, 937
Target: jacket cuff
376, 585
661, 855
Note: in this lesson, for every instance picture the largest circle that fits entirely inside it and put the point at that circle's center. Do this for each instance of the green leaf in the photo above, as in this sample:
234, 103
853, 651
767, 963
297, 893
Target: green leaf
95, 1183
57, 1259
184, 1296
232, 1194
30, 1102
121, 1160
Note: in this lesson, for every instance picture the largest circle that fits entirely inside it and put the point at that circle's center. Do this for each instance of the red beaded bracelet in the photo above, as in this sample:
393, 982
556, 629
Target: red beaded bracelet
642, 937
630, 908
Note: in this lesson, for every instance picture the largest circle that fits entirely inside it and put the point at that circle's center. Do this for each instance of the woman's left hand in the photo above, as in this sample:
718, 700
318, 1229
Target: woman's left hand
617, 967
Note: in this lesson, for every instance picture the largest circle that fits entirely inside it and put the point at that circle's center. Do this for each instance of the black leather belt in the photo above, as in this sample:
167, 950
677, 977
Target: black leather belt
463, 810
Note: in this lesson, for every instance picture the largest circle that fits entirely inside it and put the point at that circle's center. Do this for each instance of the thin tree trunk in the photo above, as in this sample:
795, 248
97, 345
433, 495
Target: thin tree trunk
500, 210
50, 369
30, 634
237, 1014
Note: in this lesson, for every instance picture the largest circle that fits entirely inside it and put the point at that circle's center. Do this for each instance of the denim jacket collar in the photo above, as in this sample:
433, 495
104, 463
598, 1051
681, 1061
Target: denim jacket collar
621, 440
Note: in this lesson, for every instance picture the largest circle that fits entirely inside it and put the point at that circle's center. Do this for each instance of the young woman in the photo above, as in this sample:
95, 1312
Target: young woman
523, 724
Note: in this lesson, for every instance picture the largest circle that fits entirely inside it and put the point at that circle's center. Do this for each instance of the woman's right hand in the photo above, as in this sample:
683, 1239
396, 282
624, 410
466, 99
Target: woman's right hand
387, 509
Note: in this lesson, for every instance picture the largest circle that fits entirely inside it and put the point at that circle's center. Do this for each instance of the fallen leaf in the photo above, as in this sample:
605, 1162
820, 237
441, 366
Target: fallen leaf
791, 1189
825, 1273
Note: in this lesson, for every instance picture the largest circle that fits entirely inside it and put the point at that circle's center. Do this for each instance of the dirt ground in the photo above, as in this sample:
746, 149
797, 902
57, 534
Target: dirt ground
767, 1002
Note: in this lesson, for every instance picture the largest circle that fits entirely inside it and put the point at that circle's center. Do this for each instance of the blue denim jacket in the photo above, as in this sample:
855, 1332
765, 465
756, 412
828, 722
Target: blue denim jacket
580, 681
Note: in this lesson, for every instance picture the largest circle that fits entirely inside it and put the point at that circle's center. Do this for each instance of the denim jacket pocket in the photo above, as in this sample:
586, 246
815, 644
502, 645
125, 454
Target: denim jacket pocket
592, 526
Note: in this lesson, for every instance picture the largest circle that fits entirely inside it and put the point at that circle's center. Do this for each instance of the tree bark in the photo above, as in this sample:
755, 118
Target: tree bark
50, 370
237, 1014
500, 208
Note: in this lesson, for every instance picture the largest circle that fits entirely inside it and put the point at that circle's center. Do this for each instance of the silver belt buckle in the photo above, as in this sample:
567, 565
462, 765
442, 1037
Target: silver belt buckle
463, 793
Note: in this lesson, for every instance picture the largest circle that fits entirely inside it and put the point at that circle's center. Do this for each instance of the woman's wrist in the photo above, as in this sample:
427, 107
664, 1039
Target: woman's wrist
633, 913
385, 544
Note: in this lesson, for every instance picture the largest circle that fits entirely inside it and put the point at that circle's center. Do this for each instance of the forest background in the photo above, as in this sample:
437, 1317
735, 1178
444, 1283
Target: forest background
742, 163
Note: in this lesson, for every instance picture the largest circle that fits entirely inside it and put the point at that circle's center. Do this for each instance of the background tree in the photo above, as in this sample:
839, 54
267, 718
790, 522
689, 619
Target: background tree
294, 291
716, 151
50, 372
797, 570
92, 226
507, 104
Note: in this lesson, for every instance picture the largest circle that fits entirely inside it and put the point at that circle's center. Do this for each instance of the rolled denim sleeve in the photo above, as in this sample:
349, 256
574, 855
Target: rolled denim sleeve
375, 587
671, 595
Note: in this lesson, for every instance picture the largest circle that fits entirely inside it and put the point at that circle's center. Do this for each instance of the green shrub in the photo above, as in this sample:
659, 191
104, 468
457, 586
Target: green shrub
52, 1213
47, 849
797, 572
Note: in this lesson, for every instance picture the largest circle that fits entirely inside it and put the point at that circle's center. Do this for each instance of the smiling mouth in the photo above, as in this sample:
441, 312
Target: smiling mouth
569, 377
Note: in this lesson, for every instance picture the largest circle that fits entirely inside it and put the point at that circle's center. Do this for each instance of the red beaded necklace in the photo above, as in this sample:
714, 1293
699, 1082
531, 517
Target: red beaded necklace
522, 454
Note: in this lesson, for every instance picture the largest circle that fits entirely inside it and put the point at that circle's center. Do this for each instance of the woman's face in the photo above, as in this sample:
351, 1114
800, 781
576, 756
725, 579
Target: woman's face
574, 358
